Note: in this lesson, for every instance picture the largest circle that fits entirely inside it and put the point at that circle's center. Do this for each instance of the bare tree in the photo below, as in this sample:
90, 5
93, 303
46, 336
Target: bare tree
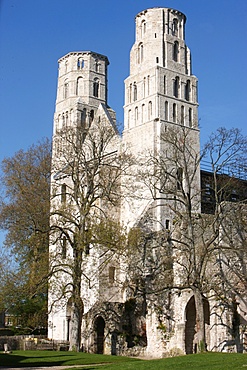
173, 179
85, 192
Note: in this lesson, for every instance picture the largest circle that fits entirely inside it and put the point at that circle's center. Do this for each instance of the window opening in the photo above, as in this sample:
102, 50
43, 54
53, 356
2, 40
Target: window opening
190, 117
175, 51
96, 88
135, 92
176, 87
179, 178
182, 115
80, 63
112, 273
187, 91
167, 224
64, 247
166, 111
63, 193
174, 113
175, 27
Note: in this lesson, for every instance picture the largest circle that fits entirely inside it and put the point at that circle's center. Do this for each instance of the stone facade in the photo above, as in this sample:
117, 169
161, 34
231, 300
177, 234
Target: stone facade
160, 96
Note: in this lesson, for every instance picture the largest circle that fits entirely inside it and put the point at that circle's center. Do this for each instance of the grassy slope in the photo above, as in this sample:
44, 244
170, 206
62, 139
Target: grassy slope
210, 361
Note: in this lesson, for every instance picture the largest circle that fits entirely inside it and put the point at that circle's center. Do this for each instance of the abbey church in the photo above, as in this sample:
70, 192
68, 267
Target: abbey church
137, 246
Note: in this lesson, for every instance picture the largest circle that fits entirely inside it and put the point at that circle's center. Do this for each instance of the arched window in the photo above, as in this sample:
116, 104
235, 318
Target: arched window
79, 86
83, 117
112, 274
97, 66
144, 87
140, 52
175, 51
80, 63
91, 116
175, 27
148, 84
63, 193
64, 247
182, 115
150, 108
176, 87
136, 115
134, 92
130, 93
129, 118
143, 28
187, 90
143, 113
190, 117
179, 178
96, 88
174, 113
66, 89
166, 111
164, 85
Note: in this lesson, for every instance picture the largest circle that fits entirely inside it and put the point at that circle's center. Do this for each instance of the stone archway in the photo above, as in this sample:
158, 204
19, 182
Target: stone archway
99, 327
190, 324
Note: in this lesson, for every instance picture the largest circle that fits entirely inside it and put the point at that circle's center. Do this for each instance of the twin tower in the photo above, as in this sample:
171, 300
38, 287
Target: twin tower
160, 86
161, 90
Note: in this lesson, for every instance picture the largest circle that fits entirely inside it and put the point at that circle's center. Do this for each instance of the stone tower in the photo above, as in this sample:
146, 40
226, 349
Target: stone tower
82, 86
160, 92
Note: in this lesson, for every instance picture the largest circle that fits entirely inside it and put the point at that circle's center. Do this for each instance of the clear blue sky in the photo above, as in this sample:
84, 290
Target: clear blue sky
34, 34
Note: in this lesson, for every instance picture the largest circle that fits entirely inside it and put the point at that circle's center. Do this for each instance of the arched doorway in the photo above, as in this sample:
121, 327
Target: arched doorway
100, 334
190, 324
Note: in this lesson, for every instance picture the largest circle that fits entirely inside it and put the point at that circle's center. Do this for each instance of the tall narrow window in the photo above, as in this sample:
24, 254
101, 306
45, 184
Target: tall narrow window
83, 116
143, 28
190, 117
182, 115
166, 111
164, 81
134, 92
148, 84
79, 86
64, 247
136, 115
80, 63
167, 224
187, 90
144, 87
175, 51
66, 89
174, 113
143, 113
96, 88
91, 116
175, 27
130, 93
63, 193
97, 66
179, 178
150, 110
176, 87
112, 274
140, 53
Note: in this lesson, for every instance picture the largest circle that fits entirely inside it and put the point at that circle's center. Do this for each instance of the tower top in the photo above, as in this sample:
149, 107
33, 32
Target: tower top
169, 10
84, 52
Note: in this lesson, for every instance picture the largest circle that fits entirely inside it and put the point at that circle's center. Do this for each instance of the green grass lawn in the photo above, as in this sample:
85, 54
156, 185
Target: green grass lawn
210, 361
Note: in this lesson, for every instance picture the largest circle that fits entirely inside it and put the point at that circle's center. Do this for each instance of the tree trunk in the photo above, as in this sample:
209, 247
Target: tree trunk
75, 328
77, 306
199, 339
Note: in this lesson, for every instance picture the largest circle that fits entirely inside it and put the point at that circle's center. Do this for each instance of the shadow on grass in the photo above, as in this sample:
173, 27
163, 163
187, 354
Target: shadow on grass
49, 358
